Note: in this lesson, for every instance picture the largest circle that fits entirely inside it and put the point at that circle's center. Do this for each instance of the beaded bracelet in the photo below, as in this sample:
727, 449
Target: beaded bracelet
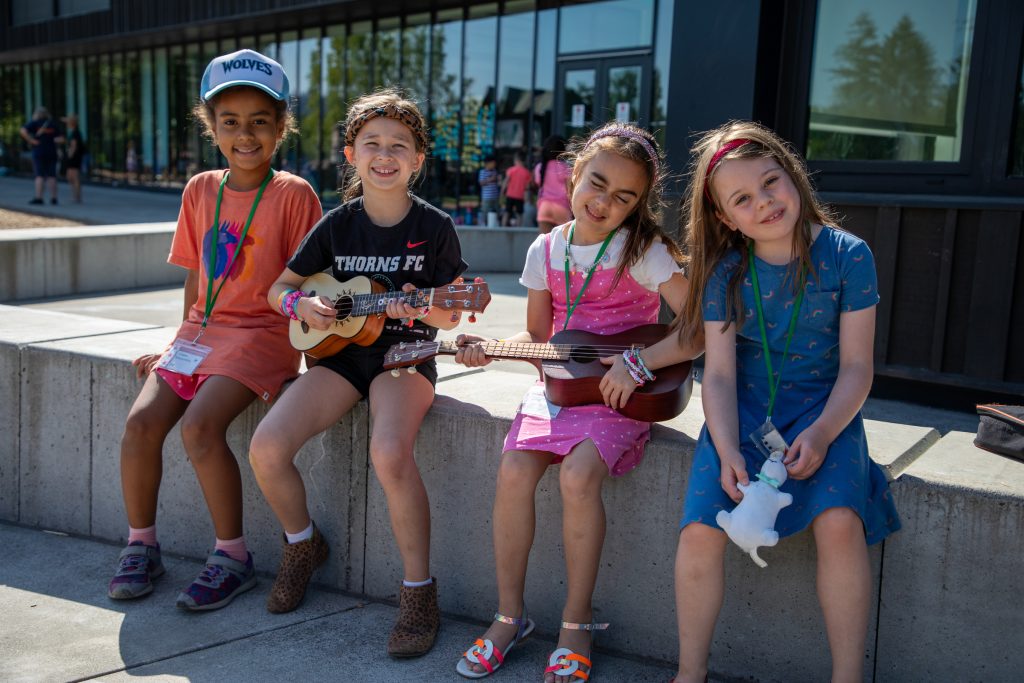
290, 302
280, 301
636, 363
423, 314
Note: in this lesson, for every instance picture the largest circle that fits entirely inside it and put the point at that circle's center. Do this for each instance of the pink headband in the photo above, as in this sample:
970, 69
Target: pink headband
722, 151
623, 132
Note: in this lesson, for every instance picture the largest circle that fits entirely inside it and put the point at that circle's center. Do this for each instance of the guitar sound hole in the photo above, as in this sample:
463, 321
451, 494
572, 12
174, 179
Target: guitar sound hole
583, 354
343, 308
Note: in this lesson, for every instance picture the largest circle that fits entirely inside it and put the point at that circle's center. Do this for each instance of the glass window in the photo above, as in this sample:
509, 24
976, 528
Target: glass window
333, 48
359, 66
388, 51
288, 57
446, 69
268, 46
130, 80
12, 117
162, 117
416, 58
478, 66
544, 81
192, 155
662, 60
889, 79
106, 150
147, 137
307, 112
515, 75
579, 96
610, 25
1017, 148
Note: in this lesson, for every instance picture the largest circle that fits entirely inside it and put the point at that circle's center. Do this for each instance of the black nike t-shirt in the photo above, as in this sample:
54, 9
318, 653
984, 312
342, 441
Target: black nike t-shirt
423, 248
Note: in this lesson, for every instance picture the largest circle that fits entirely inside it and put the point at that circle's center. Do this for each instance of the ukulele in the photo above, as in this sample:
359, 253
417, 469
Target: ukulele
571, 371
359, 306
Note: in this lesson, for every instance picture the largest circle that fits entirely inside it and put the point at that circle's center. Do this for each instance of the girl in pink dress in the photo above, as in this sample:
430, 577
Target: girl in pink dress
617, 262
550, 176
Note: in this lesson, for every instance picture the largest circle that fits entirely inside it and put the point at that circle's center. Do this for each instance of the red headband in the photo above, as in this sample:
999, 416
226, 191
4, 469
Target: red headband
722, 151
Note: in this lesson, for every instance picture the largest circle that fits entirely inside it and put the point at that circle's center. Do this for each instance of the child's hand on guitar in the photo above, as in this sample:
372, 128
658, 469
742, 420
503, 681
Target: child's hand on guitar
616, 385
146, 364
402, 309
315, 311
471, 352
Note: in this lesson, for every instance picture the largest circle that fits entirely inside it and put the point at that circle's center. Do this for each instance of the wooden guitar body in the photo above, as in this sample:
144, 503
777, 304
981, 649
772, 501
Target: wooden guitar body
347, 329
577, 381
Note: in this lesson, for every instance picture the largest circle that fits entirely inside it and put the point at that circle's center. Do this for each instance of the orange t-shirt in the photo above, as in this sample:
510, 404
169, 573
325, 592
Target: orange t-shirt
249, 339
518, 178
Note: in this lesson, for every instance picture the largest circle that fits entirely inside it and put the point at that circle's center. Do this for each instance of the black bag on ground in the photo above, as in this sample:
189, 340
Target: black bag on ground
1001, 430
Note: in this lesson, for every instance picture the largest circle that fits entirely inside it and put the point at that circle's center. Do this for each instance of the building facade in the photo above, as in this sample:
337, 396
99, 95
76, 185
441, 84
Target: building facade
909, 113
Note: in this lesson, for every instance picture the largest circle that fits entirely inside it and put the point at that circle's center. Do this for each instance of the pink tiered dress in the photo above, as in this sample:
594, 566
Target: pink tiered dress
603, 309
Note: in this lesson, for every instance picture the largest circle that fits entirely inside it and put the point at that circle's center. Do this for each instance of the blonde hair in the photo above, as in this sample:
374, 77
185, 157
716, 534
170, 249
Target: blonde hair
389, 103
644, 223
707, 240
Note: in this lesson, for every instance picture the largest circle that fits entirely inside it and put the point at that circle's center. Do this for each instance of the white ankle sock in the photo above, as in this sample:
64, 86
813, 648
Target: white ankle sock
417, 584
303, 535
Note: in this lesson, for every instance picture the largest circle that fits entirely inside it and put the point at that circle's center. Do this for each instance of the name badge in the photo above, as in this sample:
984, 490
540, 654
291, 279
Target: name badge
768, 440
184, 357
536, 404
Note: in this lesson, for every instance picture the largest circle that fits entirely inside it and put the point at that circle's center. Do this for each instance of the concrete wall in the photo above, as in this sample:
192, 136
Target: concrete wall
59, 469
53, 262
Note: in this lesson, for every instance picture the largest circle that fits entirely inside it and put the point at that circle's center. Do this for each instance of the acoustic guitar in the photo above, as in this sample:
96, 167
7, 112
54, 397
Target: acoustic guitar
571, 371
360, 305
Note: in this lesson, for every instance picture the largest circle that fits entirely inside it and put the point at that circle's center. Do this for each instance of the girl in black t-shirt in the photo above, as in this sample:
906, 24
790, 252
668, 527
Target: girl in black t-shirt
392, 237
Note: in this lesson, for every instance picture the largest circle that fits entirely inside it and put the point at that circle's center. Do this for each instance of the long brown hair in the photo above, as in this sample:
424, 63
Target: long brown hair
643, 225
707, 240
389, 103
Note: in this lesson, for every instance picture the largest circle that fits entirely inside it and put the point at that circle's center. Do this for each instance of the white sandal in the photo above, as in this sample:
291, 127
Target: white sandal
483, 649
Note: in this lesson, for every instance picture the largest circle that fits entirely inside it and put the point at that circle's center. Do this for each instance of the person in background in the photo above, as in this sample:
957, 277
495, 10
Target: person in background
489, 180
73, 157
514, 185
43, 135
551, 176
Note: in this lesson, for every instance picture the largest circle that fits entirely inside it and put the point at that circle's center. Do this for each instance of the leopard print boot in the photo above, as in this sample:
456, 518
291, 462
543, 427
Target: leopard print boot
419, 618
298, 562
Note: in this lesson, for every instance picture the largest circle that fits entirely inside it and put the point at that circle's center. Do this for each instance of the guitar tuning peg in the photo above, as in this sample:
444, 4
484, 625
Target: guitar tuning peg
455, 317
472, 317
395, 372
411, 369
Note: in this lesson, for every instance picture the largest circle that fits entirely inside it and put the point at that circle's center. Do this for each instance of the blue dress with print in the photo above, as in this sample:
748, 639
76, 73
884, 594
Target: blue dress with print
845, 281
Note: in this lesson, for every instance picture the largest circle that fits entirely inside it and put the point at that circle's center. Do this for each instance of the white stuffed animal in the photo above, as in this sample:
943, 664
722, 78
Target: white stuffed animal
752, 522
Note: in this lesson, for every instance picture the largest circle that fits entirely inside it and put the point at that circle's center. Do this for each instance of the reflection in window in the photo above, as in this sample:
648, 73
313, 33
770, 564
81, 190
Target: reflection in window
514, 76
544, 81
307, 94
477, 106
609, 25
662, 60
359, 69
889, 79
416, 58
446, 66
333, 93
1017, 148
388, 51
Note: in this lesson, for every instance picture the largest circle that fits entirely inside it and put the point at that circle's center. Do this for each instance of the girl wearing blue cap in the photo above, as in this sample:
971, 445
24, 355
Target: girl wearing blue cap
236, 229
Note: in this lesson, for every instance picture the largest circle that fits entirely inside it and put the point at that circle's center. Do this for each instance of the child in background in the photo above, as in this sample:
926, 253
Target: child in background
489, 180
605, 272
514, 185
407, 241
786, 304
550, 176
235, 231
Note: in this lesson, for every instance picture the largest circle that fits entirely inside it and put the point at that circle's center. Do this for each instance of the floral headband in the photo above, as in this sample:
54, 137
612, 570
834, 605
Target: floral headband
722, 151
408, 118
623, 132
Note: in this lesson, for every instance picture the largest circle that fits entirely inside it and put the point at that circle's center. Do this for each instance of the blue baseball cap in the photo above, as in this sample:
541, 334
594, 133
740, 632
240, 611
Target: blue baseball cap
245, 67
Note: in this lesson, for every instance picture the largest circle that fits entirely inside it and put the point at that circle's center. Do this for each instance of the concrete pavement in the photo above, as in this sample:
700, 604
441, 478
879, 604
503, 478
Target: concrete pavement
59, 625
101, 205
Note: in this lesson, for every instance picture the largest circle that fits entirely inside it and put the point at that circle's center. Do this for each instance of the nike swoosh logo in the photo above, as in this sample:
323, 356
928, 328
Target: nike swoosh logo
413, 245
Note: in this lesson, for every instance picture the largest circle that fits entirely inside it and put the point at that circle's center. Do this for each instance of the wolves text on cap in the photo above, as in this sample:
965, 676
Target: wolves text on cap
247, 63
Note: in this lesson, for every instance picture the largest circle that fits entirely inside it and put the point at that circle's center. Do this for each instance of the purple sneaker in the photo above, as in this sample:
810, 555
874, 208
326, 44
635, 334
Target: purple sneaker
138, 565
219, 583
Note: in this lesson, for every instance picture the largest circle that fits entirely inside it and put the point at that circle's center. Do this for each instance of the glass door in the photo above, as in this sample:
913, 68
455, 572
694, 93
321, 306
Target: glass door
592, 92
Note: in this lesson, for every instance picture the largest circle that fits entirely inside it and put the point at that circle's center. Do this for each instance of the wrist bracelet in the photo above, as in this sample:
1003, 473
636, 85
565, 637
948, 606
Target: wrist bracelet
280, 301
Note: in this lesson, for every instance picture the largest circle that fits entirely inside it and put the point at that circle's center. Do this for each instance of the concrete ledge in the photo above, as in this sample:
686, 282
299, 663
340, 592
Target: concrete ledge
951, 604
59, 468
51, 262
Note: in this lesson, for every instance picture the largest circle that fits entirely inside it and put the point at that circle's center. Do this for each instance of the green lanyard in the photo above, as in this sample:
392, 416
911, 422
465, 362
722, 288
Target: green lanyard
773, 386
211, 296
570, 307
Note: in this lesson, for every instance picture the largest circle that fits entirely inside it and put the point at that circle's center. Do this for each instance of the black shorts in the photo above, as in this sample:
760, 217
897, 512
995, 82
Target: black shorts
360, 365
44, 167
514, 205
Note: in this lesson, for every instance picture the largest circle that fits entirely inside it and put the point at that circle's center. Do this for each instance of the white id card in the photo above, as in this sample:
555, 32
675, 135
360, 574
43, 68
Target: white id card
184, 357
536, 404
768, 440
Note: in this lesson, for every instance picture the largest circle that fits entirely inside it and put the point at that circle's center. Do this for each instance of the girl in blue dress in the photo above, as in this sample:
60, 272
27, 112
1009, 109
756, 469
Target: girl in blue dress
787, 306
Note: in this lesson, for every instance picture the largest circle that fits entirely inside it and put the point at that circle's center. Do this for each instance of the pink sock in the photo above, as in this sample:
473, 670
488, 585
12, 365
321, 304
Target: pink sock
147, 535
235, 548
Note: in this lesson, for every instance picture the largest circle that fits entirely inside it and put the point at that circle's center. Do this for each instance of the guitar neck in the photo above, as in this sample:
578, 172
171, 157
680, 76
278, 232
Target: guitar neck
515, 350
377, 302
